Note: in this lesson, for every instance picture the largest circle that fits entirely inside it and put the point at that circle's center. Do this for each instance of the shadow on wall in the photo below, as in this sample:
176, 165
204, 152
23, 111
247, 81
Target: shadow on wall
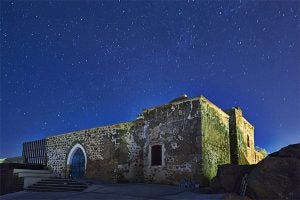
103, 170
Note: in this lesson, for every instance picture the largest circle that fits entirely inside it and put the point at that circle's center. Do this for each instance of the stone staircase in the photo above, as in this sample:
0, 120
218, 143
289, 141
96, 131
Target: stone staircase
31, 176
57, 185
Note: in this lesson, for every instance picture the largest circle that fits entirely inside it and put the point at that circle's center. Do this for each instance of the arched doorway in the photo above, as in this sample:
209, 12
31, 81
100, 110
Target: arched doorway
77, 161
77, 168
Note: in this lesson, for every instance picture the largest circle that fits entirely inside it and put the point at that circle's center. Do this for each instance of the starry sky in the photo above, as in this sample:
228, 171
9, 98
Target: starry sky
74, 65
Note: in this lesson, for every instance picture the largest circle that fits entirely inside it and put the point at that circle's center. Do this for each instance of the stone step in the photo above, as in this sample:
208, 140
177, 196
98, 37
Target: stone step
58, 187
57, 184
31, 171
54, 190
31, 176
35, 175
59, 179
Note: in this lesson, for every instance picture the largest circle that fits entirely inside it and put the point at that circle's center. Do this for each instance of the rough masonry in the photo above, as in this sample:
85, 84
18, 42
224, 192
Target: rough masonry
185, 139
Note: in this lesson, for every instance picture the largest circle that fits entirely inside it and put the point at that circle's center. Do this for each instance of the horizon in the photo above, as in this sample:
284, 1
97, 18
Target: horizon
129, 120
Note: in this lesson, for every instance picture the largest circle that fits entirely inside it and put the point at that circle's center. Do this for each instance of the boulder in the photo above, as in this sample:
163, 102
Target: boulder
229, 177
292, 151
277, 176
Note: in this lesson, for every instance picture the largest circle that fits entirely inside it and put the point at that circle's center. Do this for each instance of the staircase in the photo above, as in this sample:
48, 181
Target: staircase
57, 185
31, 176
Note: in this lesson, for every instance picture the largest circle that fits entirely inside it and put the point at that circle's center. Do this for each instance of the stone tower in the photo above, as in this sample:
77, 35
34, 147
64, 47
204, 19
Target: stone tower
242, 150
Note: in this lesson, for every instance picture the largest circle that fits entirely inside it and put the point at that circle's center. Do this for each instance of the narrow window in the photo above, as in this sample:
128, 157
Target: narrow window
156, 155
248, 141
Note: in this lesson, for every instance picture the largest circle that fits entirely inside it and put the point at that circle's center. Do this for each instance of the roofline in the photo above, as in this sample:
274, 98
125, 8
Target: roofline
104, 126
186, 100
172, 103
222, 111
152, 108
234, 108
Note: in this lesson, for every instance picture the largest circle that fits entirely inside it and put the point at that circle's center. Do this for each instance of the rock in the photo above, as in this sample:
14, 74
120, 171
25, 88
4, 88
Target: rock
277, 176
229, 177
292, 151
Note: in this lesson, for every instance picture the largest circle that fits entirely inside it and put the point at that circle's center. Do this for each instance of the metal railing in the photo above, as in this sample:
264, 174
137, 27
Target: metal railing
34, 152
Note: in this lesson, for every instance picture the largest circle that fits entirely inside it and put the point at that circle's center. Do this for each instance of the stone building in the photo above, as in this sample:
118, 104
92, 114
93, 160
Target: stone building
184, 139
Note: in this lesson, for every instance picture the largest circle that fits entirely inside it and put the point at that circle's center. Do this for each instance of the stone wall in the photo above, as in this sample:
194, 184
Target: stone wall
258, 156
130, 153
121, 152
215, 139
245, 134
112, 152
242, 139
175, 126
194, 134
233, 136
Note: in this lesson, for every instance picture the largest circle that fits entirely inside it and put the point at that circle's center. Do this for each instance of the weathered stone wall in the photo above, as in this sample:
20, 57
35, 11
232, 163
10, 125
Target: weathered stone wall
130, 153
245, 133
233, 136
175, 126
258, 156
242, 139
112, 152
195, 135
215, 139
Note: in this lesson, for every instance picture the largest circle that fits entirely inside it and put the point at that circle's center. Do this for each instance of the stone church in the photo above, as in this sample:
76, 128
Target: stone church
185, 138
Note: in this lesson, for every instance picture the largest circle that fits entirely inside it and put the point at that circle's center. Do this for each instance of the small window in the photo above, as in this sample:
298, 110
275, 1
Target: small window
156, 155
248, 141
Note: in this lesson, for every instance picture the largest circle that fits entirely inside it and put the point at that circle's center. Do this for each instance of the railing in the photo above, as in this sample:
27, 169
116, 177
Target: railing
243, 186
35, 152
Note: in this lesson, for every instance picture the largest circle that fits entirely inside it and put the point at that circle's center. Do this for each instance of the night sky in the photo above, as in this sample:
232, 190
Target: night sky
69, 65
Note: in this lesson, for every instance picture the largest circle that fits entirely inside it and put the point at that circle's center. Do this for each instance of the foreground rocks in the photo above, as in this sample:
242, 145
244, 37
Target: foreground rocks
229, 177
275, 177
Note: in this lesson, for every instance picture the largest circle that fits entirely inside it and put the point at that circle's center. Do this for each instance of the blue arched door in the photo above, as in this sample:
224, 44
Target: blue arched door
78, 164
